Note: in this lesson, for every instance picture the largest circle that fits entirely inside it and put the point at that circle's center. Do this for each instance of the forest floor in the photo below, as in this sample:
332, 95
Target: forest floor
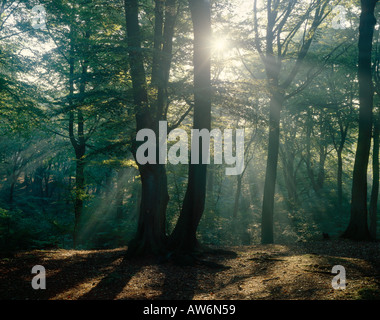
298, 271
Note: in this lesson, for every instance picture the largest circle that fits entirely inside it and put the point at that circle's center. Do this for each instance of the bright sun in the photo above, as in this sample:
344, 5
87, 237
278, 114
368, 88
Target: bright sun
220, 44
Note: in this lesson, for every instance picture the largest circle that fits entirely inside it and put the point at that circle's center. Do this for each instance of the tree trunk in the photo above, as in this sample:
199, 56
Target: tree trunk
11, 194
150, 237
79, 194
289, 176
210, 182
78, 142
183, 237
120, 194
317, 179
276, 103
375, 179
340, 177
272, 60
321, 168
237, 197
358, 227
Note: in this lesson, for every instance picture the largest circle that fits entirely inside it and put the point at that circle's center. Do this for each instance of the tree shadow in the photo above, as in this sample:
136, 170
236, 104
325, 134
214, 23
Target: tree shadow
114, 282
184, 278
62, 274
76, 272
180, 283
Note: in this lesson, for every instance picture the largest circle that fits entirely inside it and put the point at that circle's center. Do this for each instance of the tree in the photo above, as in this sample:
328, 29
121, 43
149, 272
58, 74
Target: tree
151, 234
358, 226
375, 152
375, 179
184, 237
290, 150
273, 50
79, 142
72, 73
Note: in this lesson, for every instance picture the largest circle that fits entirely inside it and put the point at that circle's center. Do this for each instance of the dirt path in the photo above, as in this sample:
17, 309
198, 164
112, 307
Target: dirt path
300, 271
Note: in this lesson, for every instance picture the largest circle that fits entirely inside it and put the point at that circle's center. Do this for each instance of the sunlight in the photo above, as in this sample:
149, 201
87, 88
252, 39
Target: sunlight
220, 44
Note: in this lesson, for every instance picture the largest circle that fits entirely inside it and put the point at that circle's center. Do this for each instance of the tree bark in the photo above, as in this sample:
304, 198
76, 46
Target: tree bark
79, 194
276, 104
358, 226
375, 179
237, 196
120, 194
150, 237
184, 237
340, 177
290, 182
79, 143
79, 150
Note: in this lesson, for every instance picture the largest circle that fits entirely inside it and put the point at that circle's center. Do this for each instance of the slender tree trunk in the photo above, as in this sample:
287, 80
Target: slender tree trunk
253, 190
317, 179
276, 103
210, 181
37, 183
340, 177
120, 194
290, 183
183, 237
79, 174
309, 168
237, 197
375, 179
11, 194
79, 194
78, 143
321, 167
272, 60
358, 226
289, 176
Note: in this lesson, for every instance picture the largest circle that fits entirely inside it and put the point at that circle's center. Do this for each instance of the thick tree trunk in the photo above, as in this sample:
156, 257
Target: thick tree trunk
358, 226
375, 179
150, 237
184, 237
276, 103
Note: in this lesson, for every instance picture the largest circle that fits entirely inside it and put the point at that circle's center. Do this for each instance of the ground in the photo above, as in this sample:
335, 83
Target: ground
258, 272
